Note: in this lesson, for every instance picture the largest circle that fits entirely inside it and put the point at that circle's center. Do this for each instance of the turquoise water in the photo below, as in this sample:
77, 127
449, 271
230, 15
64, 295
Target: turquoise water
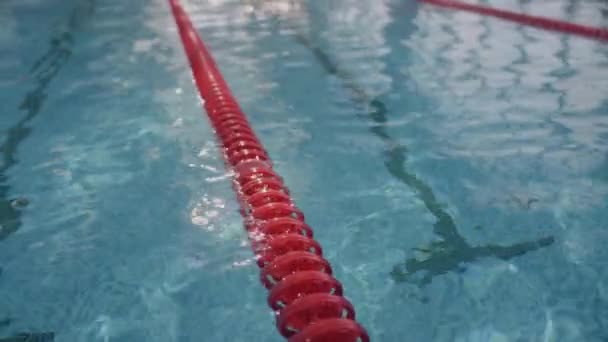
454, 168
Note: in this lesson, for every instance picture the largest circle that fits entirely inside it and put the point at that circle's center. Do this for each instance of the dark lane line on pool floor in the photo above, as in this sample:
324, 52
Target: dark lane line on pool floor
43, 71
43, 337
453, 252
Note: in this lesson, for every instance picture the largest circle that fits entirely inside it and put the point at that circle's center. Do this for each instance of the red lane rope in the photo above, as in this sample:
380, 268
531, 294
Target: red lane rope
306, 297
525, 19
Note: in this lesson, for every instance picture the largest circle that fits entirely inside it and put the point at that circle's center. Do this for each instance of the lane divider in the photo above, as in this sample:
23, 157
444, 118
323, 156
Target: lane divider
525, 19
307, 299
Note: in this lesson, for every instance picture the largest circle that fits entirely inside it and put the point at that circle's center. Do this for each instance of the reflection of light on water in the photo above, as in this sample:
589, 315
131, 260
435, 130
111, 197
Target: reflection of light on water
206, 167
520, 102
505, 67
214, 215
548, 334
221, 178
144, 45
204, 212
243, 263
236, 30
179, 122
284, 8
209, 150
355, 28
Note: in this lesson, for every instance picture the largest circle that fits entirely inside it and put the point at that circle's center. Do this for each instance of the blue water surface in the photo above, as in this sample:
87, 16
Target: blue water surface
454, 168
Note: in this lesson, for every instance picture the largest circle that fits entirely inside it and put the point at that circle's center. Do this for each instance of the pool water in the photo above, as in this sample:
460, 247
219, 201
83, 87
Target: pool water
454, 168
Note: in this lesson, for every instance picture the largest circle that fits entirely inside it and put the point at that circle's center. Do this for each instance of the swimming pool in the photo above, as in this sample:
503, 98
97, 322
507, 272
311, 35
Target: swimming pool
453, 168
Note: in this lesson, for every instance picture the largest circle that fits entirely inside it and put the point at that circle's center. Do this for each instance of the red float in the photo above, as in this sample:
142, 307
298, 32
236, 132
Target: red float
306, 297
525, 19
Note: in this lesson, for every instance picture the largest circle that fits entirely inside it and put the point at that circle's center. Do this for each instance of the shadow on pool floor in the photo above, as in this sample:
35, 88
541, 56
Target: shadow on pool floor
452, 253
42, 72
32, 337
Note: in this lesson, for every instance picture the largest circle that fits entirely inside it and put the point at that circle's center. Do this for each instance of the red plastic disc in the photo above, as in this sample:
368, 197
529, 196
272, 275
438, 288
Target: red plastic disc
304, 311
292, 262
270, 247
301, 284
247, 154
274, 210
269, 196
240, 137
262, 184
283, 225
332, 330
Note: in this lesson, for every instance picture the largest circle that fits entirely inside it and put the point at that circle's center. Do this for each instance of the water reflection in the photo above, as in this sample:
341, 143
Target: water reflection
245, 26
531, 107
452, 252
536, 82
284, 8
42, 71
